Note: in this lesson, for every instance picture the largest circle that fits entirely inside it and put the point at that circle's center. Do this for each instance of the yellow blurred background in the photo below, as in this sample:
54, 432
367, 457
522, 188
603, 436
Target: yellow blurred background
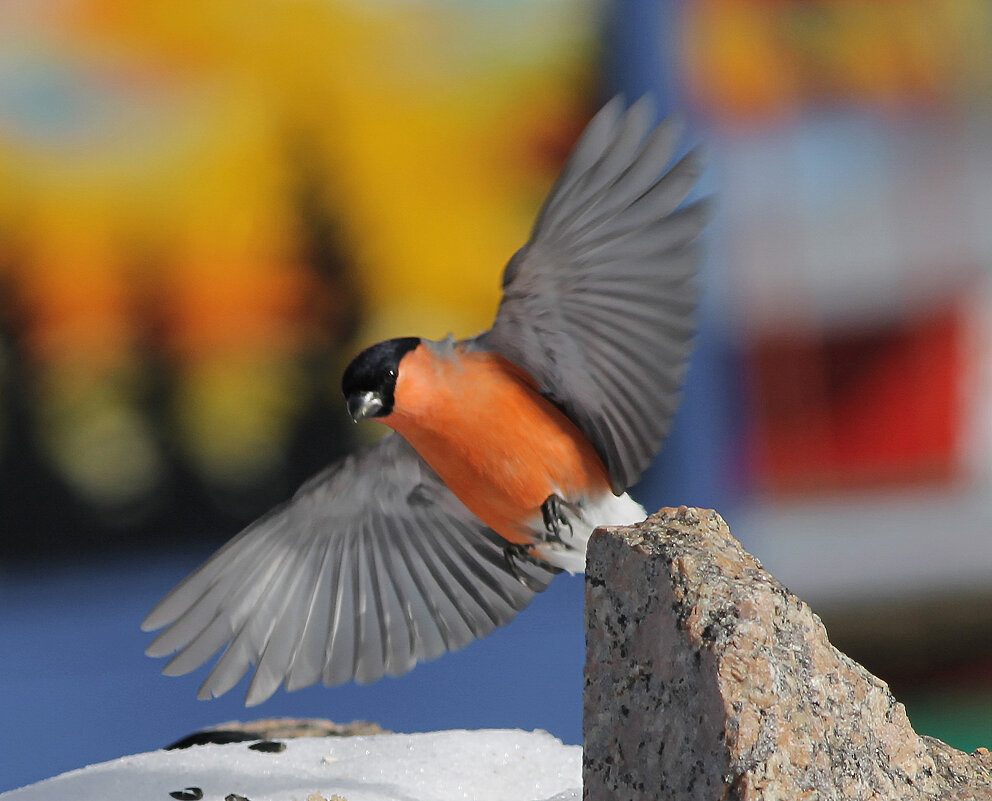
203, 206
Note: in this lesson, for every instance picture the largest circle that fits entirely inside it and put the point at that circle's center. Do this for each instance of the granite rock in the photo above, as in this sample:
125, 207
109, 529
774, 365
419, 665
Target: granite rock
707, 679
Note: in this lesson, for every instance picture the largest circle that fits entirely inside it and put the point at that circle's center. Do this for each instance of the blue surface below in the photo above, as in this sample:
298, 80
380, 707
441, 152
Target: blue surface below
76, 687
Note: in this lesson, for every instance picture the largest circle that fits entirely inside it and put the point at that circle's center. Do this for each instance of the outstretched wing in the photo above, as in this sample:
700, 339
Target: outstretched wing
599, 305
373, 566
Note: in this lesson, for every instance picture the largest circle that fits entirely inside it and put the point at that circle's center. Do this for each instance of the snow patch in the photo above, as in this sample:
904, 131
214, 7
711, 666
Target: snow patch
492, 764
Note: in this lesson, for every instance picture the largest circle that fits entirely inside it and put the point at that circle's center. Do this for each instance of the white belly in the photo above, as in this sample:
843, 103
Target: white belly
608, 510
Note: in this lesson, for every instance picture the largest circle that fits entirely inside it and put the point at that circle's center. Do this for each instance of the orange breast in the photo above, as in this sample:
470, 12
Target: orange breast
498, 445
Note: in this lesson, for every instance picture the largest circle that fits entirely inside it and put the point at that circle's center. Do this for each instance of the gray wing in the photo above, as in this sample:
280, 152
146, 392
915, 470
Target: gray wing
599, 305
373, 566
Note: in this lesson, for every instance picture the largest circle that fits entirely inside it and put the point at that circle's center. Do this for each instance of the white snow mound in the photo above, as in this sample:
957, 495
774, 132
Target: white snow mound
497, 764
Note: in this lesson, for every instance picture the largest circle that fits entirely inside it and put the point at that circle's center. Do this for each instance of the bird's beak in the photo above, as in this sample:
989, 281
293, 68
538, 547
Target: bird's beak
363, 404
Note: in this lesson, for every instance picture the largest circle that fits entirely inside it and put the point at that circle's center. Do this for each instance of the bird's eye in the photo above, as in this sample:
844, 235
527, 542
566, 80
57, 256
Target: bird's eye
391, 372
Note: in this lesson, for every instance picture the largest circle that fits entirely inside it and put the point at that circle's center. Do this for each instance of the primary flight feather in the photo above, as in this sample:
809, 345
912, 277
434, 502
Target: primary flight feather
510, 448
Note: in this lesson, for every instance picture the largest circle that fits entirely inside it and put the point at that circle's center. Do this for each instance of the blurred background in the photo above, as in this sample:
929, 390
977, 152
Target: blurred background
207, 208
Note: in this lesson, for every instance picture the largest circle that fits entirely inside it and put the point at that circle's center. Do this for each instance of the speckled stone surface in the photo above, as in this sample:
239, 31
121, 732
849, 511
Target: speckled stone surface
707, 679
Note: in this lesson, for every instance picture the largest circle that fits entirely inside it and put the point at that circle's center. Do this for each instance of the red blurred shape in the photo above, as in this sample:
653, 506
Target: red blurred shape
859, 409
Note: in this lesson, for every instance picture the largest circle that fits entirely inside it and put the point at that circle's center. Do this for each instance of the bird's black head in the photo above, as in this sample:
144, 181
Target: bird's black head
370, 379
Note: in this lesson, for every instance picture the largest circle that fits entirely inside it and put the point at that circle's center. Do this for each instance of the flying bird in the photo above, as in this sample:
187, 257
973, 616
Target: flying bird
507, 449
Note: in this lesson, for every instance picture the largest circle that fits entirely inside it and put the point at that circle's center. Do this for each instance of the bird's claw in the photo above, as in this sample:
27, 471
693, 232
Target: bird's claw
513, 552
555, 523
555, 520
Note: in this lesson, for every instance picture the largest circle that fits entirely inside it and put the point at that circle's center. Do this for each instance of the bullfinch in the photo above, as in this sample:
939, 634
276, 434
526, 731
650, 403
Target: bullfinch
507, 449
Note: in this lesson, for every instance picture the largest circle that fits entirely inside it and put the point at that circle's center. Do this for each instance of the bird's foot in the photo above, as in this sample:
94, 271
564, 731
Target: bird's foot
555, 520
514, 552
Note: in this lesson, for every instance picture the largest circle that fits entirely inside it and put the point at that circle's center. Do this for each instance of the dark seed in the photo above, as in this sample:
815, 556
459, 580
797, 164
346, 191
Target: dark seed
234, 797
189, 794
213, 736
268, 747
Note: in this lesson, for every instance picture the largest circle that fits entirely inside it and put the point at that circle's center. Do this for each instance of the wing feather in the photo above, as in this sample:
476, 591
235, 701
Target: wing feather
426, 636
370, 659
585, 155
373, 566
339, 660
587, 191
436, 603
600, 302
396, 640
308, 658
